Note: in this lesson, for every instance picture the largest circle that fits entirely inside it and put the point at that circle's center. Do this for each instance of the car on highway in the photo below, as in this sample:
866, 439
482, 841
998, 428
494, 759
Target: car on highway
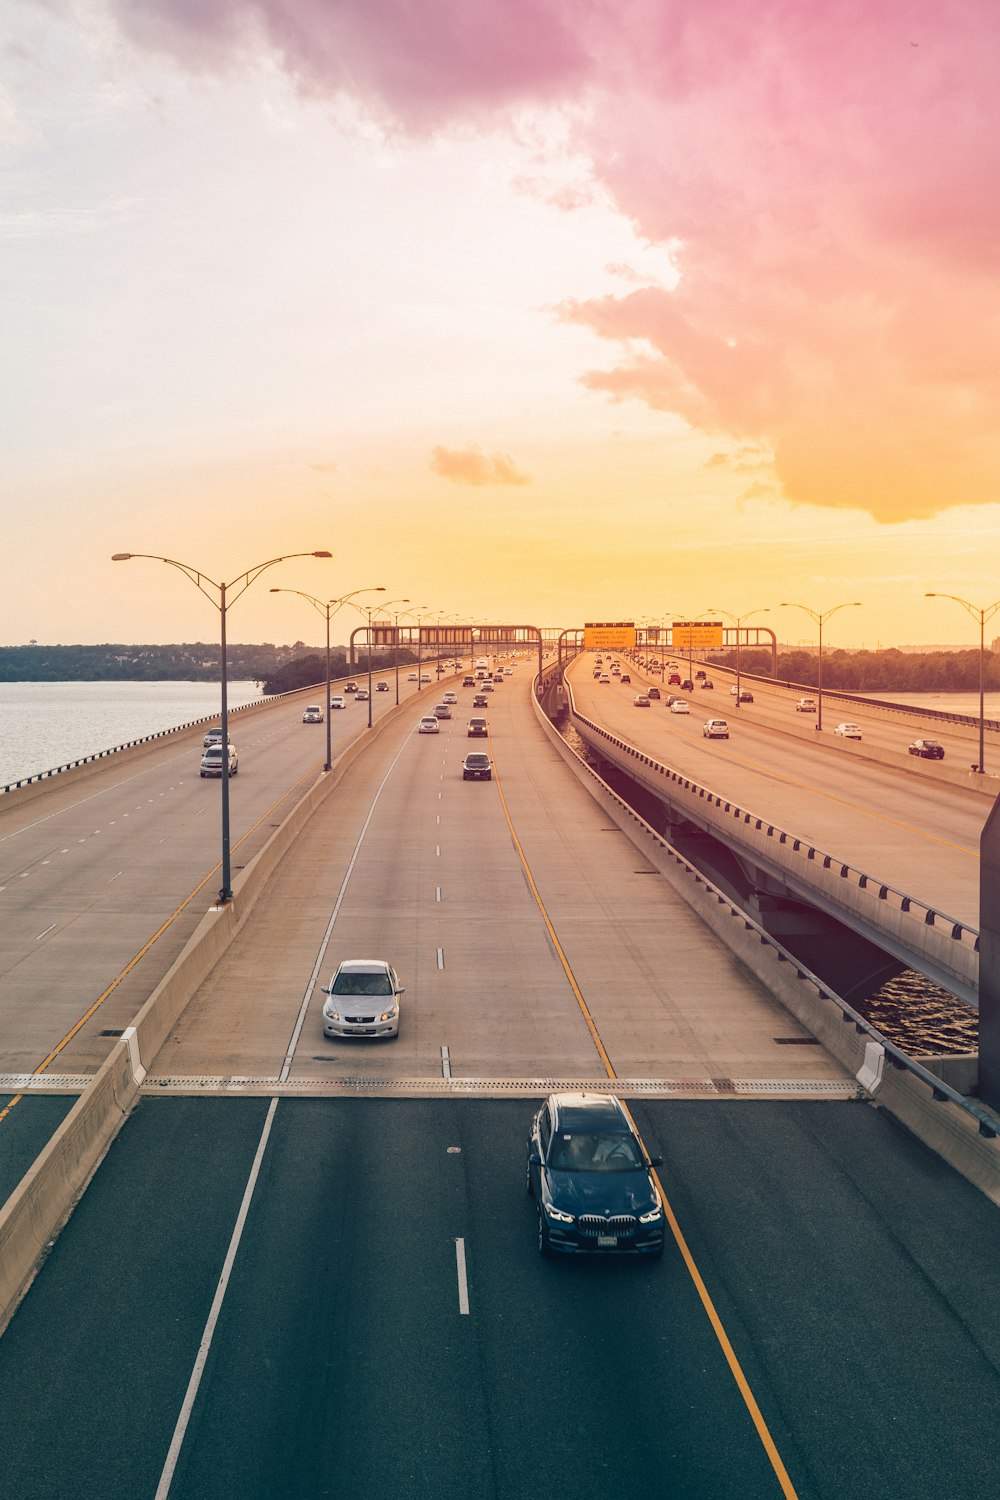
486, 686
428, 725
674, 679
653, 692
313, 714
350, 687
478, 728
468, 680
362, 999
680, 706
361, 696
687, 686
848, 731
715, 729
641, 700
381, 687
592, 1179
744, 695
338, 701
213, 760
411, 676
707, 683
477, 767
442, 711
425, 677
625, 678
480, 700
604, 678
449, 697
927, 749
212, 737
805, 706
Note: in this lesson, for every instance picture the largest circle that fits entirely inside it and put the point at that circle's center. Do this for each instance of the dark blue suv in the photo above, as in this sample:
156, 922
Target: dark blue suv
592, 1179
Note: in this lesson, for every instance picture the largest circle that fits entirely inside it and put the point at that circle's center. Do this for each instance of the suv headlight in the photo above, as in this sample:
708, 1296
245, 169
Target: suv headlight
556, 1213
652, 1214
389, 1015
330, 1013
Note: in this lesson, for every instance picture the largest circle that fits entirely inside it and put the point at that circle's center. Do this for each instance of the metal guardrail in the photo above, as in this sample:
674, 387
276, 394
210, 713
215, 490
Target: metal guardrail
940, 1091
959, 931
147, 739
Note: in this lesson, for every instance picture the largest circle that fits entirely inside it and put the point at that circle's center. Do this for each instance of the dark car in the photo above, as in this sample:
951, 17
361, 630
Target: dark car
687, 686
652, 692
625, 678
927, 749
592, 1179
477, 767
743, 696
480, 700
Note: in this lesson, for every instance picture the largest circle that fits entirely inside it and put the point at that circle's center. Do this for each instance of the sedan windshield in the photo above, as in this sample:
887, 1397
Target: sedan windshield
588, 1152
361, 984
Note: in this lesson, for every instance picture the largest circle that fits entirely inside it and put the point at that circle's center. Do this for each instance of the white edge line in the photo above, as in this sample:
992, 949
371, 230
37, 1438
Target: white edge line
190, 1395
463, 1280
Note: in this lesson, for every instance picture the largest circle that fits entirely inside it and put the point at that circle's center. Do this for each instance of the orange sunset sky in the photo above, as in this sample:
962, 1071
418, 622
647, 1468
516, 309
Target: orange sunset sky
532, 312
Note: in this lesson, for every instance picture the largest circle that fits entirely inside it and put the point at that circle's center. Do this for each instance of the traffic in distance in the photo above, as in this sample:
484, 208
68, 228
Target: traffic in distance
607, 672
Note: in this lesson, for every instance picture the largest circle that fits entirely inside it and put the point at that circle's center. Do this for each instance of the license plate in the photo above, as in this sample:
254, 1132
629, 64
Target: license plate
607, 1241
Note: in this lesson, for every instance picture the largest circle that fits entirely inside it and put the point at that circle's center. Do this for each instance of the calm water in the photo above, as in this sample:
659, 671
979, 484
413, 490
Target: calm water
48, 724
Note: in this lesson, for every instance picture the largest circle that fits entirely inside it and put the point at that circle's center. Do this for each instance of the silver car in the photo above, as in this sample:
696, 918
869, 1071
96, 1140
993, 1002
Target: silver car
362, 999
212, 761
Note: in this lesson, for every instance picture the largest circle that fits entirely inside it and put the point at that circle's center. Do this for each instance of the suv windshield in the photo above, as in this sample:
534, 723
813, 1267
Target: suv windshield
590, 1152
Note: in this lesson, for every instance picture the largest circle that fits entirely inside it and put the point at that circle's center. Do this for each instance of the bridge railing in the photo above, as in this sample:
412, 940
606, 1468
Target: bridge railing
985, 1121
953, 944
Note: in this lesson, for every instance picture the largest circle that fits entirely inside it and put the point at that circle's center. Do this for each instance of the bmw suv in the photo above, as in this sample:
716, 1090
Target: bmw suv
592, 1179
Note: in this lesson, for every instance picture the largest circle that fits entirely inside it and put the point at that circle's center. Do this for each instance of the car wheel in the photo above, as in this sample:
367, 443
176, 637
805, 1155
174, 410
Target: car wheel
544, 1247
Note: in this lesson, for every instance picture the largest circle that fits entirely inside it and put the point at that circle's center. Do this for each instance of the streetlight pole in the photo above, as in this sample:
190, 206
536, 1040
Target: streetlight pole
982, 615
328, 610
202, 582
738, 620
820, 617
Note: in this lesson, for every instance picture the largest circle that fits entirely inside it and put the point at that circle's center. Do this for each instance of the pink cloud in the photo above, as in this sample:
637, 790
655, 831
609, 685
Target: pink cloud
472, 466
828, 173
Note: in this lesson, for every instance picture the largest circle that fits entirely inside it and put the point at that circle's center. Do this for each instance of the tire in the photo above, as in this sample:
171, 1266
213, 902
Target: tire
544, 1247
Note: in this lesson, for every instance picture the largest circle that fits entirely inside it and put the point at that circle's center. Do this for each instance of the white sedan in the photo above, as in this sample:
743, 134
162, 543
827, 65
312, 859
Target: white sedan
363, 999
429, 725
716, 729
848, 731
339, 701
680, 706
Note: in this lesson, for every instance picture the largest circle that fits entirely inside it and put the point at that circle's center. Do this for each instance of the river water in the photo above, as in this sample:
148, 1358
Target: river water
48, 724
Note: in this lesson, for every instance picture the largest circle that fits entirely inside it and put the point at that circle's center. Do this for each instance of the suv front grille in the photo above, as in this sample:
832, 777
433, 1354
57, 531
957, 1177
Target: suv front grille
617, 1224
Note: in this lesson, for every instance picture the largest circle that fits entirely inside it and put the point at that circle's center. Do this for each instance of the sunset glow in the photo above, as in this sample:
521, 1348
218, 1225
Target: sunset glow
538, 312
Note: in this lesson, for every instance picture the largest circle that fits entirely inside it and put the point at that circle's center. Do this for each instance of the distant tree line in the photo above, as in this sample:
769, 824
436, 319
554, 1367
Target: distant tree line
874, 672
197, 662
304, 671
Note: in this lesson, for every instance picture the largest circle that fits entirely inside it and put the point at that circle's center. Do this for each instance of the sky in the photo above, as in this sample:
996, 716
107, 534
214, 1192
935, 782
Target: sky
532, 312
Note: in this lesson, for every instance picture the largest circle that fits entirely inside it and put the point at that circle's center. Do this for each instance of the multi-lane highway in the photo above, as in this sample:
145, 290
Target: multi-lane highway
899, 820
309, 1268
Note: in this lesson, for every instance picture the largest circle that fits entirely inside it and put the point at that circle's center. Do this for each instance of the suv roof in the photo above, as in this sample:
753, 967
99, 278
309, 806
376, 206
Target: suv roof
588, 1112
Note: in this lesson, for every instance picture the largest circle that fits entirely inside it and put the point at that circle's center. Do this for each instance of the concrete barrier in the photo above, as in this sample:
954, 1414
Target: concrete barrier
941, 1124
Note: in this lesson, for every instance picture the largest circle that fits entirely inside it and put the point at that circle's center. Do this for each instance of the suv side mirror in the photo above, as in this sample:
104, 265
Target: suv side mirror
535, 1159
324, 989
656, 1161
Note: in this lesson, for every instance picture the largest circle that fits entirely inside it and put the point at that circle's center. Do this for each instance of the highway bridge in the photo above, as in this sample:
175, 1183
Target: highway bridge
304, 1268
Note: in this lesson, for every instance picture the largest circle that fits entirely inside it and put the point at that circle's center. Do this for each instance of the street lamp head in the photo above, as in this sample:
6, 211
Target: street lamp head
322, 554
120, 556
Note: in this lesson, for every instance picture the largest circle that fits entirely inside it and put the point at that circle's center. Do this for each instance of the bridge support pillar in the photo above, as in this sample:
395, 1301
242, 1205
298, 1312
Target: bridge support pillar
989, 960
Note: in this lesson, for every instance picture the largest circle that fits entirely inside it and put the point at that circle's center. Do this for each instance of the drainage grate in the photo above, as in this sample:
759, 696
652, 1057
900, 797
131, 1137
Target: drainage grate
497, 1087
110, 1032
796, 1041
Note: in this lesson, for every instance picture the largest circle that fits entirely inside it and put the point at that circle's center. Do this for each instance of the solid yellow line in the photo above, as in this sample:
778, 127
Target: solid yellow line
42, 1066
729, 1353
